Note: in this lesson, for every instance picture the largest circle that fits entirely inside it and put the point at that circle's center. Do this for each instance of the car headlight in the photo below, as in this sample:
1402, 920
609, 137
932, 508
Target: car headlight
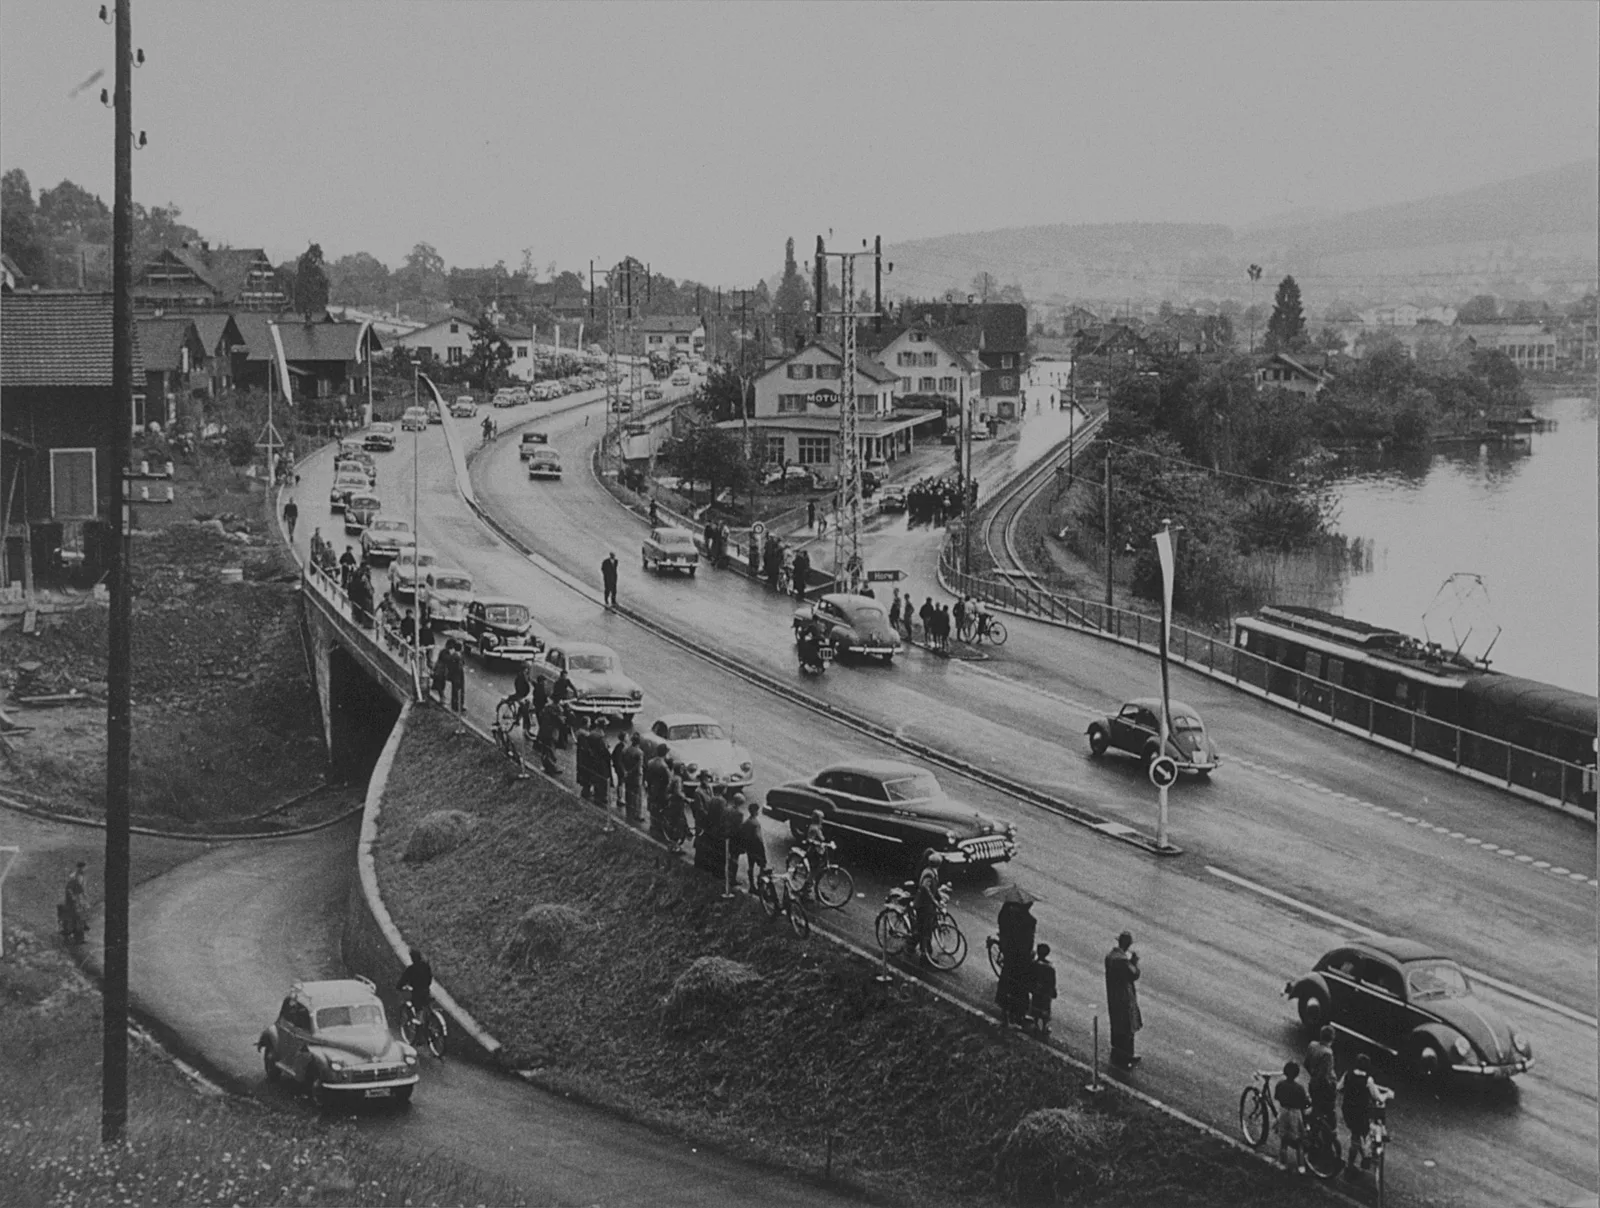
950, 838
1011, 830
746, 766
1461, 1048
1520, 1043
335, 1064
636, 694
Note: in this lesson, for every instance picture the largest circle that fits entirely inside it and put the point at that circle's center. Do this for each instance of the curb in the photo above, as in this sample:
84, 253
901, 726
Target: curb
183, 836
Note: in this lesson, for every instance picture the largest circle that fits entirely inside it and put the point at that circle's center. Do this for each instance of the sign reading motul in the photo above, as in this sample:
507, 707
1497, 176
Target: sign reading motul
825, 397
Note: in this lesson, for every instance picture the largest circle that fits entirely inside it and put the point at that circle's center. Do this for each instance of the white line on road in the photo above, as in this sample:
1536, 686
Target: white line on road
1348, 925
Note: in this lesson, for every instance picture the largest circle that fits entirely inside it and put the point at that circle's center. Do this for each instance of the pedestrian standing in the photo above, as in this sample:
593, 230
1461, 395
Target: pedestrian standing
802, 573
630, 765
458, 677
291, 513
1322, 1079
539, 696
347, 566
960, 614
894, 611
608, 576
1043, 990
655, 515
772, 560
755, 556
549, 727
600, 766
732, 819
811, 515
1122, 1000
657, 775
675, 818
752, 844
583, 758
926, 614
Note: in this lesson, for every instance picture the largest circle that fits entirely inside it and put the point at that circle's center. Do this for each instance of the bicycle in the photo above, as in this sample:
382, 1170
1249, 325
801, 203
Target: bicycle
1366, 1153
946, 947
980, 628
1320, 1148
507, 716
777, 898
430, 1025
833, 886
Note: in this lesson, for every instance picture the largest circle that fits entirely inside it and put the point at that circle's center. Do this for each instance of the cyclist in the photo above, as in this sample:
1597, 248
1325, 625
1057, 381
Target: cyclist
1355, 1090
418, 979
816, 849
1322, 1078
925, 900
981, 619
521, 696
1292, 1103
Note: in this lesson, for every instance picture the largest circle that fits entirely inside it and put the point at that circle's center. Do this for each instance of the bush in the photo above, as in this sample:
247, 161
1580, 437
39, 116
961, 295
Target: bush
241, 447
711, 988
439, 832
547, 932
1057, 1152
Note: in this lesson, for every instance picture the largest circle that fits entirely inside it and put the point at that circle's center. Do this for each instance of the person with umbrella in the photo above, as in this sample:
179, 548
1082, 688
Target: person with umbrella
1017, 930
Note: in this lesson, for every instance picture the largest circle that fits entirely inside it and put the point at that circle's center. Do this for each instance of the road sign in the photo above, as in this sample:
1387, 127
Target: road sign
825, 397
1163, 771
885, 576
758, 530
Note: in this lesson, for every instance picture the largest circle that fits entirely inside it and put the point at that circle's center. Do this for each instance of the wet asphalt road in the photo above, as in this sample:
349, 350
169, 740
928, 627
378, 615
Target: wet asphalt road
1297, 810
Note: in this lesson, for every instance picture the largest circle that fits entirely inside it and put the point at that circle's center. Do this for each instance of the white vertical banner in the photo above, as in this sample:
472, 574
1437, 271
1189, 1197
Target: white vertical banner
1164, 552
283, 363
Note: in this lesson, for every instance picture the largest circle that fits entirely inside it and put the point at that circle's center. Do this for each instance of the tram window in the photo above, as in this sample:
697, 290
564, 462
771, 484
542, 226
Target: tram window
1312, 663
1402, 693
1335, 670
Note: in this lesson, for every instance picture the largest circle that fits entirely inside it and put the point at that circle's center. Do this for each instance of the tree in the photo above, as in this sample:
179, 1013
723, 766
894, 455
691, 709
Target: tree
19, 234
1329, 340
490, 355
721, 394
1481, 309
1286, 329
789, 303
360, 279
705, 453
310, 282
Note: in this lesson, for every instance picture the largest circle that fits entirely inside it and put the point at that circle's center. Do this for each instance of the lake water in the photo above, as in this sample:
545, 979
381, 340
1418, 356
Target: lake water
1522, 519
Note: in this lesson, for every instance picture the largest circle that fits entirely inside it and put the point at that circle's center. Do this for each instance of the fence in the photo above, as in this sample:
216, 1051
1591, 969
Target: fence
412, 662
1481, 756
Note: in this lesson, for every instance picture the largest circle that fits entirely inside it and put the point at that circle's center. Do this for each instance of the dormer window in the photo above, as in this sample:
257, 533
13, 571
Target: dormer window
918, 337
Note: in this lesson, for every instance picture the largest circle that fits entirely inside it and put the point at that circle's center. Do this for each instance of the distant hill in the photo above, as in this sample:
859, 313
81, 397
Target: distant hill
1531, 236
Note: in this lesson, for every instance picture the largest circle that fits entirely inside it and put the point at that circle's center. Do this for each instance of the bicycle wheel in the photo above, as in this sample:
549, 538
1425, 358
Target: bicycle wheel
893, 930
1323, 1154
438, 1033
997, 633
1254, 1120
947, 946
835, 887
997, 960
799, 916
797, 872
408, 1026
767, 891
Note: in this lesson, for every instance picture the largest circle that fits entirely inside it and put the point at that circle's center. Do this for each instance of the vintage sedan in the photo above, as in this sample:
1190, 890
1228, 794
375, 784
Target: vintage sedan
600, 689
502, 631
1136, 729
893, 499
703, 744
351, 456
406, 571
414, 419
385, 537
462, 408
652, 393
1411, 1001
896, 807
856, 624
531, 441
359, 509
332, 1040
668, 548
379, 438
544, 462
446, 592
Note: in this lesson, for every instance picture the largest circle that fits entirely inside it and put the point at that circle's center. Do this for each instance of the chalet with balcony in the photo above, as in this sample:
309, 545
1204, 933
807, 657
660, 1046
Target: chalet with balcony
175, 357
200, 277
676, 336
325, 359
1298, 374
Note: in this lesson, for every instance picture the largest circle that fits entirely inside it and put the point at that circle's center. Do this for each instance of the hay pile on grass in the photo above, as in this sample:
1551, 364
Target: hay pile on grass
546, 932
1056, 1152
712, 988
437, 833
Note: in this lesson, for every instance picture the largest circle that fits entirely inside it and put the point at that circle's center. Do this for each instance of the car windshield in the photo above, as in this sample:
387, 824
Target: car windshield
590, 662
1440, 979
346, 478
383, 429
919, 786
698, 729
506, 614
680, 540
866, 613
357, 1015
452, 583
361, 502
391, 526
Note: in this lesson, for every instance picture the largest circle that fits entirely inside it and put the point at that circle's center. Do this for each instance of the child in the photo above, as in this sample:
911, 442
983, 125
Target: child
1292, 1103
1043, 988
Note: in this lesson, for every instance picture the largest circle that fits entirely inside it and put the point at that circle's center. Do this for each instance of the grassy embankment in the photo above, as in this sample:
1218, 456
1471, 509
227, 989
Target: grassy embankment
921, 1096
225, 719
185, 1145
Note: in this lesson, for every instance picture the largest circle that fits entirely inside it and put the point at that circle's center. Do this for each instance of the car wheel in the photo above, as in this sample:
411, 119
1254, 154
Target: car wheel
644, 563
402, 1095
1313, 1009
1427, 1059
269, 1064
1150, 754
692, 569
1099, 741
1202, 773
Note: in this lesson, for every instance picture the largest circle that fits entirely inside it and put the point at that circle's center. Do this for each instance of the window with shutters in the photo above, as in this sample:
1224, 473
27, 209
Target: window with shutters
791, 404
927, 385
947, 385
832, 373
799, 373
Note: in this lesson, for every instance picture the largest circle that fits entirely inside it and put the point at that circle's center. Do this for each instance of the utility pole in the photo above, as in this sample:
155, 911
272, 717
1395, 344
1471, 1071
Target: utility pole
119, 661
1108, 526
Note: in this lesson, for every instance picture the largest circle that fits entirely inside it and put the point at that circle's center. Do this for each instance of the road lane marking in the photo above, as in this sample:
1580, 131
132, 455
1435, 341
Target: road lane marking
1350, 925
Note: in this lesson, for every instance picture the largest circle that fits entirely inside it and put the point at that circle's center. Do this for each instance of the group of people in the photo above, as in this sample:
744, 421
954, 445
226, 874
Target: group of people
776, 563
1027, 986
1299, 1104
716, 542
936, 500
450, 671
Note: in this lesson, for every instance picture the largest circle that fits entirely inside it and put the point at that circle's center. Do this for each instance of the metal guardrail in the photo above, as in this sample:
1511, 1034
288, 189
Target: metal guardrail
1483, 757
384, 639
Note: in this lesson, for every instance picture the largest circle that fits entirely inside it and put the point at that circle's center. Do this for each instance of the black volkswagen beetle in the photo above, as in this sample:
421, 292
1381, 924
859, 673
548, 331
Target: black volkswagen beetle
894, 806
1409, 1000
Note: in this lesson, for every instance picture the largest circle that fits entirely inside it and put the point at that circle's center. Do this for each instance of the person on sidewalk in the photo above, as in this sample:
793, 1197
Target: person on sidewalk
1043, 990
608, 576
291, 513
1122, 1001
752, 844
926, 613
655, 515
894, 611
630, 778
802, 573
458, 677
549, 727
811, 515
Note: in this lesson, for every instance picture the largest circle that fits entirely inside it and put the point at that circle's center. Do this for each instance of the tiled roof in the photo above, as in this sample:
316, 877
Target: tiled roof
865, 365
162, 341
212, 327
314, 341
1004, 324
656, 324
58, 340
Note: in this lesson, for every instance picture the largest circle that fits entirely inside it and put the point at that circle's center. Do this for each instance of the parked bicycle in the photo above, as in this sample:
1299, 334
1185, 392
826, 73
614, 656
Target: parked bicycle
895, 927
1258, 1110
507, 718
1366, 1153
833, 885
982, 627
424, 1028
778, 898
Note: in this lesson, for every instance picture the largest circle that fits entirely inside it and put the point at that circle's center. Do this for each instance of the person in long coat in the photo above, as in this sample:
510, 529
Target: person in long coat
630, 768
1122, 1000
1017, 930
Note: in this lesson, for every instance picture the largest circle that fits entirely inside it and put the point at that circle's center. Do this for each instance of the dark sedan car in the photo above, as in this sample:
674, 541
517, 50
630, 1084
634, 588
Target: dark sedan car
1136, 729
502, 631
1411, 1001
897, 807
857, 624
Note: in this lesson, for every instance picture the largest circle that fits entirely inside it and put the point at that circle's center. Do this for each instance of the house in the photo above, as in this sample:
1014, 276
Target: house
796, 414
679, 336
200, 277
1531, 348
174, 354
56, 393
1099, 354
325, 359
447, 340
1076, 319
1002, 346
935, 364
1406, 314
10, 275
1297, 374
219, 335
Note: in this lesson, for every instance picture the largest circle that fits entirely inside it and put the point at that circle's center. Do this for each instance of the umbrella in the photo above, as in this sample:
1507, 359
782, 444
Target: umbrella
1011, 893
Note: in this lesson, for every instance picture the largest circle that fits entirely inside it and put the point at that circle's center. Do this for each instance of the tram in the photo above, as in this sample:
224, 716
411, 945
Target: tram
1533, 735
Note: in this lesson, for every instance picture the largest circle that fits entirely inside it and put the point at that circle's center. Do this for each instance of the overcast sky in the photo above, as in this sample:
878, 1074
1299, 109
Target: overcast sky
698, 136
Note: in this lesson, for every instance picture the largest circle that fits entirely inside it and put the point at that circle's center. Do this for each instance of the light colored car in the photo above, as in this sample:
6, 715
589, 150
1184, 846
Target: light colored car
789, 478
359, 509
446, 592
544, 462
703, 744
462, 408
348, 481
385, 537
601, 689
651, 393
669, 548
379, 438
414, 419
680, 379
406, 570
332, 1039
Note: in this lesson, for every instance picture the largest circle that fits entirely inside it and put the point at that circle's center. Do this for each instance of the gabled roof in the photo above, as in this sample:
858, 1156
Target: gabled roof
213, 328
163, 341
226, 270
302, 340
960, 344
1298, 364
669, 323
1004, 324
865, 365
58, 340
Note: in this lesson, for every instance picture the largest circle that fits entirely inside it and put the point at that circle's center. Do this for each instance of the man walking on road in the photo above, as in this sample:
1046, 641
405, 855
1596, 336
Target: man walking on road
1122, 1000
291, 513
608, 576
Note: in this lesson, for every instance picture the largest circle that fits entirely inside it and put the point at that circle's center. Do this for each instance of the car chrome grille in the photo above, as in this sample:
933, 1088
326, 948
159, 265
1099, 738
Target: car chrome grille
609, 704
373, 1073
991, 848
